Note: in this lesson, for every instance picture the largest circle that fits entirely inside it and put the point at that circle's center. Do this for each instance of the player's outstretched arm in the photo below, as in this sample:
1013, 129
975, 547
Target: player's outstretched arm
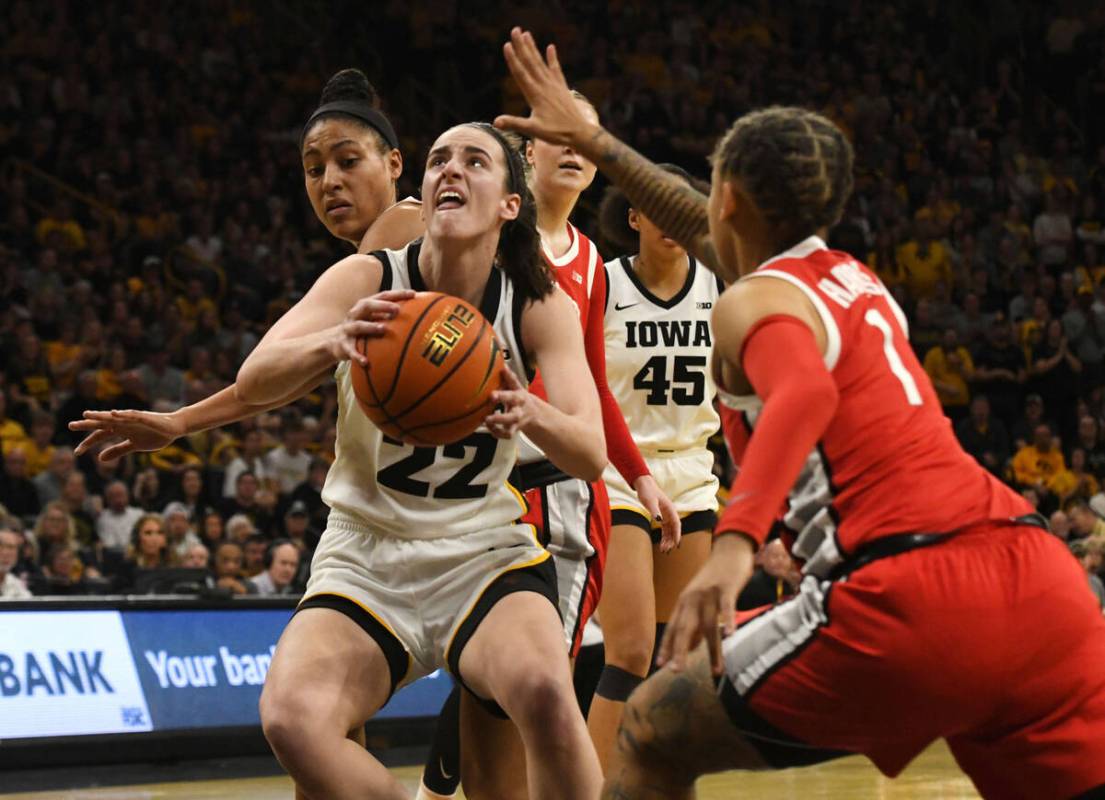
568, 428
676, 208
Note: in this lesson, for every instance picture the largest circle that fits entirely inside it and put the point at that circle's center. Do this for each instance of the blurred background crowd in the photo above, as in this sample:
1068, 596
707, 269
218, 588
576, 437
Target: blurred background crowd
154, 223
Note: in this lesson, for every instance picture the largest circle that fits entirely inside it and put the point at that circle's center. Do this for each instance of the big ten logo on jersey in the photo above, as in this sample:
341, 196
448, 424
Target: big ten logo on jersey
850, 284
669, 333
444, 334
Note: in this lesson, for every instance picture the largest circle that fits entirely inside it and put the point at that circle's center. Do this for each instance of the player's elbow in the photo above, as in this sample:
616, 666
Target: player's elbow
821, 396
594, 464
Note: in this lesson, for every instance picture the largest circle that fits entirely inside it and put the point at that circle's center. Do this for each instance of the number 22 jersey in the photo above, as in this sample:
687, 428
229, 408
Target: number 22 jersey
658, 355
427, 492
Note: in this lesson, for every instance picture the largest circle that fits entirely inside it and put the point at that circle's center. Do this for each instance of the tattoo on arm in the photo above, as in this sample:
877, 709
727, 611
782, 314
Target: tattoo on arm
676, 208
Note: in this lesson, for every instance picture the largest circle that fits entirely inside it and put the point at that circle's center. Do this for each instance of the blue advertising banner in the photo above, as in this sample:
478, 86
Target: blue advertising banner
65, 673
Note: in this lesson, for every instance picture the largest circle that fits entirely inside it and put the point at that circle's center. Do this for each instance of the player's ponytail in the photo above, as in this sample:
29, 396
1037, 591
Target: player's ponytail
519, 251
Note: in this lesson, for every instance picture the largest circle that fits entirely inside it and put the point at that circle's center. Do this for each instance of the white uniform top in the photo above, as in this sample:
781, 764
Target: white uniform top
658, 356
412, 492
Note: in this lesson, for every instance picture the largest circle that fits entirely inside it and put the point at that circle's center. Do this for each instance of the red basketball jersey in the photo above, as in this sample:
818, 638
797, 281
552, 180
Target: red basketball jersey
889, 461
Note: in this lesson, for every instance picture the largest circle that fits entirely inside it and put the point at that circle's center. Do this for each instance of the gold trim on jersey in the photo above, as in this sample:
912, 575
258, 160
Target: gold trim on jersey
545, 555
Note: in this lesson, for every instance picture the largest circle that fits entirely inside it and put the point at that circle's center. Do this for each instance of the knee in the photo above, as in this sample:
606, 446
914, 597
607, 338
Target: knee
284, 721
634, 657
539, 702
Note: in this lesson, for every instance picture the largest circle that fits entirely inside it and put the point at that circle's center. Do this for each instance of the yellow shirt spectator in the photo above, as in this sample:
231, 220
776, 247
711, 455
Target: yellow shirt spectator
949, 365
1032, 465
924, 264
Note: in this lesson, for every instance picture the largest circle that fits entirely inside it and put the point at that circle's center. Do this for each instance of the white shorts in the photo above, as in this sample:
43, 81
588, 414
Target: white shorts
421, 599
686, 478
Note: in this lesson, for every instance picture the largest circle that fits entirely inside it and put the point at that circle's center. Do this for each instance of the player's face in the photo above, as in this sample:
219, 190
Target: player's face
653, 240
560, 171
464, 193
349, 182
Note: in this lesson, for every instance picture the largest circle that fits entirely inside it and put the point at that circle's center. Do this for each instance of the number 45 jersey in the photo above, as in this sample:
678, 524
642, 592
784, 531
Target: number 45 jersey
658, 356
410, 492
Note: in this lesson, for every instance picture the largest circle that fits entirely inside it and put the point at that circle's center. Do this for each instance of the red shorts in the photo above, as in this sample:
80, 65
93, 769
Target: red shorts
572, 518
991, 639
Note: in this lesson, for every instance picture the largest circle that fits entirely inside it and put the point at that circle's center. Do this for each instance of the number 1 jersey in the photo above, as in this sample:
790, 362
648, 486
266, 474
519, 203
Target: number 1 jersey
657, 358
427, 492
888, 462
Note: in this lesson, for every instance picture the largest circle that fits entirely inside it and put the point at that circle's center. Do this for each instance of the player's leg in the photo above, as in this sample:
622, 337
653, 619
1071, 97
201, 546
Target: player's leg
441, 774
328, 676
674, 729
626, 609
516, 657
357, 736
672, 571
492, 755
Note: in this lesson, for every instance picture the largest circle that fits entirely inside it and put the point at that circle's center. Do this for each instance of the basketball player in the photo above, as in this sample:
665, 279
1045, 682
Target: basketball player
409, 578
658, 346
932, 604
351, 161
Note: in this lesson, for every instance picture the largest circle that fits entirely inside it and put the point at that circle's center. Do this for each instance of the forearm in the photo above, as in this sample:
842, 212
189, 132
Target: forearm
225, 407
676, 208
273, 366
574, 444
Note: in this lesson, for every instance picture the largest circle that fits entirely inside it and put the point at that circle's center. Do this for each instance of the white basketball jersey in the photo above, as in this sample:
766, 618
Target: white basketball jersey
658, 356
427, 492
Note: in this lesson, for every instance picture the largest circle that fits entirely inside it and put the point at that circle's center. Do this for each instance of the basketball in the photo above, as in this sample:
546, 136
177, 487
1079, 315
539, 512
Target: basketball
430, 377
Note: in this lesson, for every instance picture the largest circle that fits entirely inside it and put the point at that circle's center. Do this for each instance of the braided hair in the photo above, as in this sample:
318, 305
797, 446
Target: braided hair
794, 164
614, 212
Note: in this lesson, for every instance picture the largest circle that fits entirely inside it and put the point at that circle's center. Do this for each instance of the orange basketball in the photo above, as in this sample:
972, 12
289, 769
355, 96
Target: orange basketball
430, 377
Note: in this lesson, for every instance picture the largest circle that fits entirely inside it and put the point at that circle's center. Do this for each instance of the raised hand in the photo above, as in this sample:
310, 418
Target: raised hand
556, 116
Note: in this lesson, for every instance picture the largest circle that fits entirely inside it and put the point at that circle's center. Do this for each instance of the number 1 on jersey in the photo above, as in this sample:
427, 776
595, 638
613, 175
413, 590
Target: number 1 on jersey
897, 366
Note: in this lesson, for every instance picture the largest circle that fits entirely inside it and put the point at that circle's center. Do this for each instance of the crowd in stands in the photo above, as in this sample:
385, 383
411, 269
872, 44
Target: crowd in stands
154, 224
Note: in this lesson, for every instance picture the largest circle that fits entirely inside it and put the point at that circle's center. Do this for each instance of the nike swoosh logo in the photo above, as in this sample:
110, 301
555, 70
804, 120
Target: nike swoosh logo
623, 308
441, 766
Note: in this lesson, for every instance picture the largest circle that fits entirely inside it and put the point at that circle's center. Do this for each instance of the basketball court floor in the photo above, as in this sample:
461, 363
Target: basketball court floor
933, 776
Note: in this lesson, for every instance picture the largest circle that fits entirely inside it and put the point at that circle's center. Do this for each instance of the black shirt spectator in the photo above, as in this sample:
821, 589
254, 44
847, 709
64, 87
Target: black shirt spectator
984, 436
1000, 370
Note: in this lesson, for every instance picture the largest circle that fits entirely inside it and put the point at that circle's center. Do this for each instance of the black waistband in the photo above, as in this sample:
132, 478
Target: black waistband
897, 544
537, 474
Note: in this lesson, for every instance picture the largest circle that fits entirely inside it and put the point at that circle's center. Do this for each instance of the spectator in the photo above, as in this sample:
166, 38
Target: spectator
190, 493
11, 588
1025, 427
239, 528
147, 493
82, 508
251, 459
160, 380
310, 493
1089, 440
1085, 522
116, 522
1089, 553
253, 555
984, 436
212, 530
1059, 524
1054, 372
178, 530
289, 463
39, 449
196, 556
1035, 465
924, 259
62, 571
50, 483
950, 367
999, 370
148, 550
228, 568
17, 492
281, 561
1085, 331
1074, 481
1053, 233
12, 433
246, 501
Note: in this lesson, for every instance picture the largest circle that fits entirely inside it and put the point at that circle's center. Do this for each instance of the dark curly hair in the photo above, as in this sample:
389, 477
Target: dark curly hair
794, 164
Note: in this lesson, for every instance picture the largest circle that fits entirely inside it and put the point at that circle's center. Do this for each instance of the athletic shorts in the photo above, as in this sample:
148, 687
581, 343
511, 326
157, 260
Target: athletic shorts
990, 639
422, 599
686, 478
572, 518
